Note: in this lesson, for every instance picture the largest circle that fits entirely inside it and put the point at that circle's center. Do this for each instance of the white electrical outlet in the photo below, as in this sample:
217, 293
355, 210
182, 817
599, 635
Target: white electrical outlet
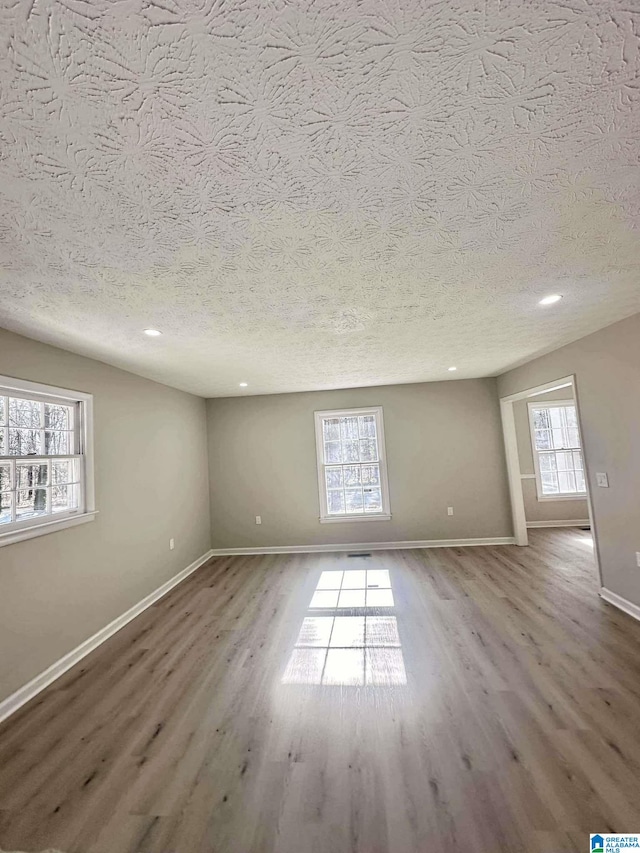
172, 544
258, 519
449, 510
602, 480
638, 558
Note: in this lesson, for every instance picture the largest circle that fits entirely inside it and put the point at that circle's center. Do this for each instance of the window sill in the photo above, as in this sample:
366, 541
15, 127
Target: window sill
13, 536
330, 519
545, 498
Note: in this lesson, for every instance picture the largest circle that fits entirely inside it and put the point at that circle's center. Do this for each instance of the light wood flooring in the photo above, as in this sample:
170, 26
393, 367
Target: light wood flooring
272, 704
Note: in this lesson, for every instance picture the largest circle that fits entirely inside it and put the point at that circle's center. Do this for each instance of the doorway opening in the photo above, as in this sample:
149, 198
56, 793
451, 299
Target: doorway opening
546, 461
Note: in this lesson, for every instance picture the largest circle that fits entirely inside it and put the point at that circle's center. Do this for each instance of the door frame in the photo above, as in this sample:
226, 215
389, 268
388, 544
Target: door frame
514, 473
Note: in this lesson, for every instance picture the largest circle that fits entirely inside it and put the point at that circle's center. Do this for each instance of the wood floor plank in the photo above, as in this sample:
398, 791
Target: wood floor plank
486, 703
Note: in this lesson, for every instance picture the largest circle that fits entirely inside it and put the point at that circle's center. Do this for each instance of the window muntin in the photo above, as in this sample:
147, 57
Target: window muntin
557, 451
41, 459
351, 464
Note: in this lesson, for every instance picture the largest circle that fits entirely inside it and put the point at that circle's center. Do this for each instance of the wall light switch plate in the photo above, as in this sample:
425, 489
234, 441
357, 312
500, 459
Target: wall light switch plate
258, 519
602, 480
172, 544
638, 558
449, 510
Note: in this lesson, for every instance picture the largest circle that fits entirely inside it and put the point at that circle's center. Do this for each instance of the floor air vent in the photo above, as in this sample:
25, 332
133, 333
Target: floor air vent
363, 554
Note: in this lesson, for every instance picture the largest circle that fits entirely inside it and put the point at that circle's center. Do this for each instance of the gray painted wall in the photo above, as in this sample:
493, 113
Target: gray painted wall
607, 369
151, 484
536, 510
444, 448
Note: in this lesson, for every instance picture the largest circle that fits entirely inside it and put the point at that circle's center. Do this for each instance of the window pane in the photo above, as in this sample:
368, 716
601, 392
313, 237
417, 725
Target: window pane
573, 437
564, 460
332, 451
541, 419
24, 413
57, 417
566, 482
373, 499
353, 500
30, 503
543, 439
24, 442
5, 477
580, 481
350, 451
570, 412
57, 443
64, 498
28, 476
3, 449
560, 438
370, 475
5, 507
63, 472
3, 410
335, 501
547, 462
349, 428
368, 450
367, 425
549, 483
577, 459
351, 475
331, 429
556, 415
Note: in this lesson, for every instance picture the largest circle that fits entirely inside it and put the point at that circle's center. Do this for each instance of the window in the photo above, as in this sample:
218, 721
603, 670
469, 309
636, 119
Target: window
46, 480
352, 474
557, 452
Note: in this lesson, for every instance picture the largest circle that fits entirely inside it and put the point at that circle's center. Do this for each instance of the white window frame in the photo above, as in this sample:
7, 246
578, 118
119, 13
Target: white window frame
566, 496
18, 531
385, 514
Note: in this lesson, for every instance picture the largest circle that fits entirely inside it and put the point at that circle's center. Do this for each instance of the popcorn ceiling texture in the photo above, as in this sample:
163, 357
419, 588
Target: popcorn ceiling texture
313, 195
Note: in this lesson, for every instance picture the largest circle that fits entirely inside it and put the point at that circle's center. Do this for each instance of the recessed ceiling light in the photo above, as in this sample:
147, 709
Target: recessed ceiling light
243, 384
549, 300
153, 333
453, 368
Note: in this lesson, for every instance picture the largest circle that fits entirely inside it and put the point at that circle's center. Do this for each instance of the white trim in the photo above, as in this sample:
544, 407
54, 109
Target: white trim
364, 546
565, 382
379, 516
574, 522
13, 536
621, 603
527, 476
16, 700
319, 416
513, 473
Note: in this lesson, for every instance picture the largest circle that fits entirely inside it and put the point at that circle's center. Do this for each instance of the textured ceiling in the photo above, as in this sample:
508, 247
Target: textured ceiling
314, 195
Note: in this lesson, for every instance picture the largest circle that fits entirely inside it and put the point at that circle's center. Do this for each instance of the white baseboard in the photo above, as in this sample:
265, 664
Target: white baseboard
363, 546
620, 602
571, 522
16, 700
